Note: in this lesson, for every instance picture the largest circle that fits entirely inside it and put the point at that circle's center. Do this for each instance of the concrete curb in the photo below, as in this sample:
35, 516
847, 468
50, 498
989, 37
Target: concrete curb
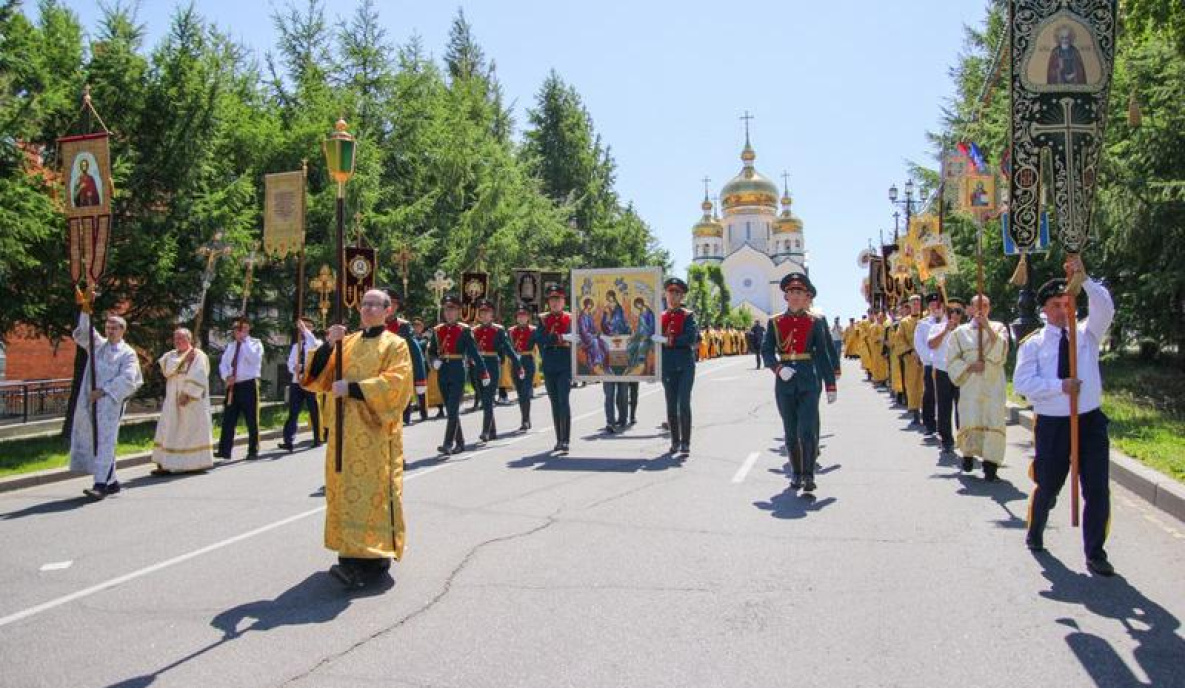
1151, 485
57, 475
51, 427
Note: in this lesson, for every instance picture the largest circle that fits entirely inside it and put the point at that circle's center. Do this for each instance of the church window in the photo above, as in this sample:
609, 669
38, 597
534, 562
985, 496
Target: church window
748, 232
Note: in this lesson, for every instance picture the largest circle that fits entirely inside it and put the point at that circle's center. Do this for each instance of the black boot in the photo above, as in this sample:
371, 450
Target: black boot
685, 435
675, 427
526, 424
562, 435
449, 430
989, 471
795, 466
567, 432
493, 434
559, 431
458, 439
808, 469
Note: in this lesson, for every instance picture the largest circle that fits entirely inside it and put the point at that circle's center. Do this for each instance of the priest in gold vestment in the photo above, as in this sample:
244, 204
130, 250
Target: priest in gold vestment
982, 387
364, 501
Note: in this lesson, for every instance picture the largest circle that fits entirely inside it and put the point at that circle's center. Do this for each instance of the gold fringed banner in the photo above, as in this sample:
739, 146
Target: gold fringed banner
86, 169
284, 213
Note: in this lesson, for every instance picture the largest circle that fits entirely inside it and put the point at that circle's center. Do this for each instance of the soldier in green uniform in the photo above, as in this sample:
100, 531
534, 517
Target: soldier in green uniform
796, 350
554, 337
679, 335
451, 343
492, 343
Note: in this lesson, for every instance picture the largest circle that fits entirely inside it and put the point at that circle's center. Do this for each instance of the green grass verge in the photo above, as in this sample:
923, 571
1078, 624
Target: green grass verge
1146, 405
26, 456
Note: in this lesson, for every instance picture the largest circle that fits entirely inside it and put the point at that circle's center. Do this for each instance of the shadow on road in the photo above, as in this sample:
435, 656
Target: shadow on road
790, 505
55, 507
1001, 492
1159, 648
315, 600
547, 461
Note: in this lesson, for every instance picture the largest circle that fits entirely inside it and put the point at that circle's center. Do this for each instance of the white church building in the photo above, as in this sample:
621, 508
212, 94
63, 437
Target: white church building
754, 245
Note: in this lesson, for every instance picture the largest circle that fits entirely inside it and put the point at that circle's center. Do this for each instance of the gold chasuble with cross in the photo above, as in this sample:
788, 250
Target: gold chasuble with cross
364, 503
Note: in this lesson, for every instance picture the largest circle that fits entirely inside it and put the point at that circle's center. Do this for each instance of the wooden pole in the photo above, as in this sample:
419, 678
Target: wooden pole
339, 317
1072, 331
979, 278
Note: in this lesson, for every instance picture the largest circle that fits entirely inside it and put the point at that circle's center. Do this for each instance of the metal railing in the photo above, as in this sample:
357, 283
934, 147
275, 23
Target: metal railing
27, 399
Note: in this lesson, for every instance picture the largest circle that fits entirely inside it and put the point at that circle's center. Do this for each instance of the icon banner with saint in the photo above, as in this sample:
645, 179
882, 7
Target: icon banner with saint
615, 313
86, 171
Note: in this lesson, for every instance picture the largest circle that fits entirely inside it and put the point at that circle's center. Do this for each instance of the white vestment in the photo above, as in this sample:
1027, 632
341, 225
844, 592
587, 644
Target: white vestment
184, 434
982, 396
117, 373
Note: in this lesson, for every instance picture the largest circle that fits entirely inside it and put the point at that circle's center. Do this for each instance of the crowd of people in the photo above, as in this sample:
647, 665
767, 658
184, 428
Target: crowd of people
946, 365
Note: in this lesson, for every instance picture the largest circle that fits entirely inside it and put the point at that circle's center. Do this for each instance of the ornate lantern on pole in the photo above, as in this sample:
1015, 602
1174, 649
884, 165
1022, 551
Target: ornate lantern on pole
340, 149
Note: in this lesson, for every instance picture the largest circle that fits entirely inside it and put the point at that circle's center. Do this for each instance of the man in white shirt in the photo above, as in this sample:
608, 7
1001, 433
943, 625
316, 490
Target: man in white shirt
1043, 376
298, 397
946, 394
239, 367
921, 346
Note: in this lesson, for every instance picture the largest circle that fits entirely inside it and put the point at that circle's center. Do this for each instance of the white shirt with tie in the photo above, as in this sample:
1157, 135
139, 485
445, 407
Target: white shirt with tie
938, 355
249, 363
311, 344
1036, 375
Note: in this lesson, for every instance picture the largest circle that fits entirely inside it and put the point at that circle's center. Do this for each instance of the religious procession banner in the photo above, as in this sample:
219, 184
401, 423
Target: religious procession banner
551, 279
474, 287
1062, 56
977, 195
615, 314
938, 259
86, 169
360, 269
284, 213
528, 289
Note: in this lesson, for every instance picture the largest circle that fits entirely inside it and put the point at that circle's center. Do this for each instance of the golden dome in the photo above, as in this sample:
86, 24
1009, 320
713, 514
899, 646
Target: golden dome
707, 225
787, 222
749, 188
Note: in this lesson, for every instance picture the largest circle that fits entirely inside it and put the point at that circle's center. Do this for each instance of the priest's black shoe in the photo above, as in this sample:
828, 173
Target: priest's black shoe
808, 485
1100, 567
525, 426
443, 450
286, 446
349, 579
968, 464
989, 472
1034, 543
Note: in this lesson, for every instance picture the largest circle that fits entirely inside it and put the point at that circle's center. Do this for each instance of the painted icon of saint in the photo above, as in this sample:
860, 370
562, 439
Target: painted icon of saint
86, 186
1065, 62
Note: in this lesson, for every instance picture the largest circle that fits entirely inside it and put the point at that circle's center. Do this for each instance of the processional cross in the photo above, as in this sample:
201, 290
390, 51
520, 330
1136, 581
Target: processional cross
324, 284
212, 251
439, 284
404, 258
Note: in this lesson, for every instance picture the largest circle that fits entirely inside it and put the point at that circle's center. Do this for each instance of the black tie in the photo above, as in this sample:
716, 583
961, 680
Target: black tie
1063, 356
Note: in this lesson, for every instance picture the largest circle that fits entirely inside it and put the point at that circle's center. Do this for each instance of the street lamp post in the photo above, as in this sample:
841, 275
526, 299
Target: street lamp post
907, 203
340, 150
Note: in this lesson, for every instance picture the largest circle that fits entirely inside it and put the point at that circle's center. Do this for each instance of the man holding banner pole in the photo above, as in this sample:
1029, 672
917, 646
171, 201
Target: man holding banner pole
1043, 375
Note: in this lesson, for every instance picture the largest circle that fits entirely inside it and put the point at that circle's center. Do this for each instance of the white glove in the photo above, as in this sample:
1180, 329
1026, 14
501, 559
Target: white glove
570, 337
658, 339
437, 364
485, 382
421, 389
832, 395
786, 372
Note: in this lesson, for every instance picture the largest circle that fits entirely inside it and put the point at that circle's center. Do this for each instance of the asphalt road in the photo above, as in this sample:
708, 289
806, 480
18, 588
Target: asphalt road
614, 566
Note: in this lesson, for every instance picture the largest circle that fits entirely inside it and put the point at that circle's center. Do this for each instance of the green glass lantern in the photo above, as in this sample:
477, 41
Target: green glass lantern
339, 153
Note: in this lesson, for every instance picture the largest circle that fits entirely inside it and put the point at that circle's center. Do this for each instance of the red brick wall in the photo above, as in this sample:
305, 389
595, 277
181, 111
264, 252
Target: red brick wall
35, 359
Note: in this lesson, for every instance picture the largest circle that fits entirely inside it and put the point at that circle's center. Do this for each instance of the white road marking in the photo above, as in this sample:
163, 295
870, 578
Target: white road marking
140, 573
745, 467
57, 565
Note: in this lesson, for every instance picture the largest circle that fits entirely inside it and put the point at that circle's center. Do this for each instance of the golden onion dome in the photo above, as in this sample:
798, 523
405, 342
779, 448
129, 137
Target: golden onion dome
749, 188
707, 225
787, 222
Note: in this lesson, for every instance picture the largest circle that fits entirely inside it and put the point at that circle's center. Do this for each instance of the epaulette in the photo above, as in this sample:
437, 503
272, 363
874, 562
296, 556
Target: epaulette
1029, 336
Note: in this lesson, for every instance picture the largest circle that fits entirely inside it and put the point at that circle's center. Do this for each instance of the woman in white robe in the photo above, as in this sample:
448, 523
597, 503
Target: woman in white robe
117, 375
184, 433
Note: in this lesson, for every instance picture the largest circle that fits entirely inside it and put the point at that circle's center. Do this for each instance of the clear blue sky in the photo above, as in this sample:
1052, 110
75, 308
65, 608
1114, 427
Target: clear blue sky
842, 92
